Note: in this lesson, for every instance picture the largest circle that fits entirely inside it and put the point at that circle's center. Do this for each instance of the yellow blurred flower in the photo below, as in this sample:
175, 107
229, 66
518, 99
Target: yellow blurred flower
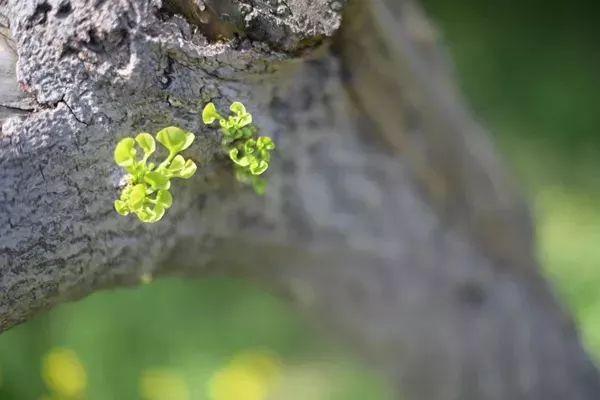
163, 384
250, 375
146, 278
64, 374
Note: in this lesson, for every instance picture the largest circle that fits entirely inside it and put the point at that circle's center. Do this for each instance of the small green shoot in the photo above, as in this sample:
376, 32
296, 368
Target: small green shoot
146, 193
250, 153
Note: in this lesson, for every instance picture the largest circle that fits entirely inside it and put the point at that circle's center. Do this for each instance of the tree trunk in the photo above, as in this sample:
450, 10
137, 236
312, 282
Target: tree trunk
388, 218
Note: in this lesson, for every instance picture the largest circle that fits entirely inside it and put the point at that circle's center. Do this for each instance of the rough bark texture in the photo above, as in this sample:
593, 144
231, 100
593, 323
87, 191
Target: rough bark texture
388, 217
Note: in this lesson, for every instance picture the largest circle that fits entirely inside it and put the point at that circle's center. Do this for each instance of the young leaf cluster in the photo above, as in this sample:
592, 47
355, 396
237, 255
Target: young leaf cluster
147, 192
249, 152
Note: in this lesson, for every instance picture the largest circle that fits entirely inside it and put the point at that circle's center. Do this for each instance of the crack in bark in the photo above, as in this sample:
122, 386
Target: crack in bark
63, 101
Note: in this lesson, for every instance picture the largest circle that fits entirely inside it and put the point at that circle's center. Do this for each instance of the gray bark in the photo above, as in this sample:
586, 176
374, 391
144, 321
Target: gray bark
389, 219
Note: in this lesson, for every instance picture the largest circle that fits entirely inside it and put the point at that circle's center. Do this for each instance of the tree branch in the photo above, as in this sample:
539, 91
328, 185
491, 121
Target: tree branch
388, 218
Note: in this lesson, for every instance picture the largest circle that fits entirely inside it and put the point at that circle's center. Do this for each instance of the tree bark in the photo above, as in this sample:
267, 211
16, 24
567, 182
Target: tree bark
388, 220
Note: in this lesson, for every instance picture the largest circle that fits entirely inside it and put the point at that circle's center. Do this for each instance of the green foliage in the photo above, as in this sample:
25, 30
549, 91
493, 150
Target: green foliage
147, 191
250, 154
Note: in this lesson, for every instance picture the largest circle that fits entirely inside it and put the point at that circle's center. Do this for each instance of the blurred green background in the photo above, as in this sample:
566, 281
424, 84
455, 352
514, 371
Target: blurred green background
531, 71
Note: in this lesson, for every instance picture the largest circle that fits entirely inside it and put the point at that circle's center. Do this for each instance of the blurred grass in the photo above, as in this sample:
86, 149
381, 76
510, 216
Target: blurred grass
531, 73
185, 328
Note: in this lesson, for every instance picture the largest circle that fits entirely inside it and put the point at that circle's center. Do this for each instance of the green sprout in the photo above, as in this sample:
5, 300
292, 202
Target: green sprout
146, 193
250, 154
